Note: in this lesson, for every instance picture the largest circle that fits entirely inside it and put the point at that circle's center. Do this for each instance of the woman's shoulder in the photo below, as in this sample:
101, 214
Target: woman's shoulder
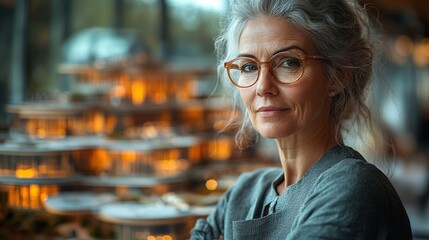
362, 196
356, 178
355, 171
352, 199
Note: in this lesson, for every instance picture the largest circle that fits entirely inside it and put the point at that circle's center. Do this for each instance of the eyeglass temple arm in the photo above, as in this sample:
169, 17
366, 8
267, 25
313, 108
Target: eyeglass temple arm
230, 66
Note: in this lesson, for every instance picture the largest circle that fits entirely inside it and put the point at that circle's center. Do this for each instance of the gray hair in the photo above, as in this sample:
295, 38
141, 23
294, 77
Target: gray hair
340, 31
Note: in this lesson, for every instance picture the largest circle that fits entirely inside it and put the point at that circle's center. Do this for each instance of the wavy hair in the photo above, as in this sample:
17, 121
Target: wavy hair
341, 32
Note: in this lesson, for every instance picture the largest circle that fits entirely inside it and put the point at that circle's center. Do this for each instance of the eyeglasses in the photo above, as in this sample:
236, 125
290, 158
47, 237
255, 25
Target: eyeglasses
286, 67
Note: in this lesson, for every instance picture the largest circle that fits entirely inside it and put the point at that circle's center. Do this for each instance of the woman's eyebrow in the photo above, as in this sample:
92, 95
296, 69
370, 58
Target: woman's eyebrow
246, 55
293, 47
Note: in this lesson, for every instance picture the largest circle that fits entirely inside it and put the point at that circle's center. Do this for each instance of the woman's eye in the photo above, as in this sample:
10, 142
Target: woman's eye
249, 67
289, 63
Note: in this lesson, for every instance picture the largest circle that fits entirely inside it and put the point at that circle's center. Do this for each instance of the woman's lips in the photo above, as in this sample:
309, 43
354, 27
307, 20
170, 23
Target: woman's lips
270, 111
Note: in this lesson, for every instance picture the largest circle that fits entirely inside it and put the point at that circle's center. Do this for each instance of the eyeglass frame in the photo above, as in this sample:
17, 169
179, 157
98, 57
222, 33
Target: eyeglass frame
302, 58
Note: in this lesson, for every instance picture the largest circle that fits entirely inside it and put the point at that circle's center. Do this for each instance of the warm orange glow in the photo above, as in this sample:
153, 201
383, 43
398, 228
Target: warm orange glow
127, 159
44, 169
160, 189
118, 91
97, 120
34, 196
50, 166
195, 118
169, 162
13, 199
60, 129
99, 161
195, 153
75, 125
40, 128
221, 149
121, 190
41, 133
158, 93
421, 53
44, 196
46, 128
31, 127
30, 197
129, 156
172, 165
186, 87
110, 124
224, 149
138, 92
211, 184
166, 166
125, 81
25, 172
165, 119
174, 154
162, 237
24, 195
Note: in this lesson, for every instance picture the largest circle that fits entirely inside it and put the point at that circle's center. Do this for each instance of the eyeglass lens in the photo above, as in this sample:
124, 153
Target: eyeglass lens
287, 68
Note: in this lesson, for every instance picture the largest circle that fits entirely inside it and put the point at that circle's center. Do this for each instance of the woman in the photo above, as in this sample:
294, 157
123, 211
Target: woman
300, 69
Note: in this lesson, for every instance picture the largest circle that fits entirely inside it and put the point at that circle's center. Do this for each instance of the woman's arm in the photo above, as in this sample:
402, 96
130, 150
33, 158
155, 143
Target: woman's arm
212, 227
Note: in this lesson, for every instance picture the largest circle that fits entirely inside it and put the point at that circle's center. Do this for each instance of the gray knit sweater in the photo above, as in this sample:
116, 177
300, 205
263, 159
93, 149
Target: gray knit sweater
340, 197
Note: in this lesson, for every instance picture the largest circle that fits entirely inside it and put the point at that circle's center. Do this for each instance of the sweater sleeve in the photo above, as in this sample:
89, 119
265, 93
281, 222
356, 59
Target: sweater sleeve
212, 227
349, 202
242, 199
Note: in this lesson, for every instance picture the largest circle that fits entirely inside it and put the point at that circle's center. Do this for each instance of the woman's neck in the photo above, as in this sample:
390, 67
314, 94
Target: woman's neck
299, 153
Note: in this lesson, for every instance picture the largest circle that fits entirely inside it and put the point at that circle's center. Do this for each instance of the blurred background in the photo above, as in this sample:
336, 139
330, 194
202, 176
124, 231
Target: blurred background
112, 123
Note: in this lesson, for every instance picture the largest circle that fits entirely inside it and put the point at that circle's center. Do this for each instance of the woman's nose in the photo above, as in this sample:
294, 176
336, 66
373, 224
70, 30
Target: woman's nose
266, 84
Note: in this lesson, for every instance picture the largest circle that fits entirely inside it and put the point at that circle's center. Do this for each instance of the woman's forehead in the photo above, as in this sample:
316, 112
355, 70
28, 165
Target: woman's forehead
266, 35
